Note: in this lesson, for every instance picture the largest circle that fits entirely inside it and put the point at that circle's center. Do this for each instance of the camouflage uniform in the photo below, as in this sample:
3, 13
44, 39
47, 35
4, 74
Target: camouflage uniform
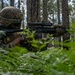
10, 18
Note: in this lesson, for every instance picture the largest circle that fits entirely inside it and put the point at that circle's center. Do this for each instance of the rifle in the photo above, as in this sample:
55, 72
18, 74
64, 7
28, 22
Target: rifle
40, 24
6, 32
46, 27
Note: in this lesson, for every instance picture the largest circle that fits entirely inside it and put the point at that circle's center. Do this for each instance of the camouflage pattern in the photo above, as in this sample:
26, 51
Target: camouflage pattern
10, 15
10, 18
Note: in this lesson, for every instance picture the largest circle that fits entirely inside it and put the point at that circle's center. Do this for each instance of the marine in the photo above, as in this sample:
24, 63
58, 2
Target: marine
11, 18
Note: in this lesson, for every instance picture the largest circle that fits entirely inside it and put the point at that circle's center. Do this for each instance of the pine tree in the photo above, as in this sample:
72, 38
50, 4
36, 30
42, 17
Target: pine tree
65, 21
2, 4
11, 2
33, 10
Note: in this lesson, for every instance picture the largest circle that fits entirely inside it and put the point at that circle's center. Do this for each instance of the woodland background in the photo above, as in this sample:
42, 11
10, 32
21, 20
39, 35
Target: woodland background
54, 60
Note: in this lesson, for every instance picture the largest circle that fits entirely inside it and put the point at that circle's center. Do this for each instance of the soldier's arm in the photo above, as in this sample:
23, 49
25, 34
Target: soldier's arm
15, 42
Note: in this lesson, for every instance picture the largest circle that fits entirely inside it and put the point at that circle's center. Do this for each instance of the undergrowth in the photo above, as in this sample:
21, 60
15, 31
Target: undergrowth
53, 61
50, 62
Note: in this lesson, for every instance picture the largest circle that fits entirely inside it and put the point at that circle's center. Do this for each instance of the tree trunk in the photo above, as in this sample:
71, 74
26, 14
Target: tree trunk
65, 14
45, 13
58, 8
11, 2
2, 4
33, 10
19, 4
65, 20
53, 17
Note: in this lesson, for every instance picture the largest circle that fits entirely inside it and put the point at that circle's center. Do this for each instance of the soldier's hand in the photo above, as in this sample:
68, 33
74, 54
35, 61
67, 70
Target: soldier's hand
16, 41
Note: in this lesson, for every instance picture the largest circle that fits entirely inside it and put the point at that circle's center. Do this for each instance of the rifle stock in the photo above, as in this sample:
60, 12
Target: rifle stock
7, 32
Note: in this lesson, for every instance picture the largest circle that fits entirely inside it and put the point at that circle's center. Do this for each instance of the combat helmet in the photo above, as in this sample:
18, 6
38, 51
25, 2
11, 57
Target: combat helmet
10, 17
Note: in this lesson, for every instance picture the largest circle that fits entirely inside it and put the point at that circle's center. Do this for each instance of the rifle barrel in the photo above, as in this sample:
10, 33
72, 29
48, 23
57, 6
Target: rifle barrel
40, 24
11, 31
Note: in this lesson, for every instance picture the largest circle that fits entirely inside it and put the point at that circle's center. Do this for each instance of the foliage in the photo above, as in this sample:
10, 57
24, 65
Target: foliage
53, 61
9, 58
33, 44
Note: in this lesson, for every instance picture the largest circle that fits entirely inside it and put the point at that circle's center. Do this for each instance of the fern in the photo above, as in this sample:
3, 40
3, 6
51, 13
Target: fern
52, 61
